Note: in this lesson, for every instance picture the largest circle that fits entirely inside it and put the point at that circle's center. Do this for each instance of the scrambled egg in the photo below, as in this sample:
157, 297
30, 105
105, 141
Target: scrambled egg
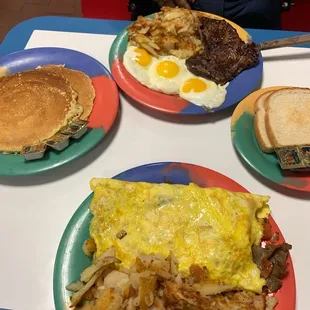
211, 227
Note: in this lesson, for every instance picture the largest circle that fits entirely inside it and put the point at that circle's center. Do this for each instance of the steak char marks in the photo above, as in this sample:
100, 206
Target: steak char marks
225, 55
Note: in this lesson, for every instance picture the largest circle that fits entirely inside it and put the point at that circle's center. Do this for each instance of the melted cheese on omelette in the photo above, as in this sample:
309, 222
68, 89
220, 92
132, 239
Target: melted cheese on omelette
211, 227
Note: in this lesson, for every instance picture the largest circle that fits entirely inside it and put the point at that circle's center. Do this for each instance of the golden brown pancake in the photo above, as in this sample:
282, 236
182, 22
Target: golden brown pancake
34, 106
81, 83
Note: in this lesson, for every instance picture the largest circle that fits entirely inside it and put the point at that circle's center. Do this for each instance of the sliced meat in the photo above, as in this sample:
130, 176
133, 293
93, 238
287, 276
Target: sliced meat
215, 33
273, 283
225, 55
266, 268
272, 261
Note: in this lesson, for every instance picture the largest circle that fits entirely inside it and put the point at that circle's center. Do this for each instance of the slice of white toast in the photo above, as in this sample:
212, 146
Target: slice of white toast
260, 102
288, 117
260, 124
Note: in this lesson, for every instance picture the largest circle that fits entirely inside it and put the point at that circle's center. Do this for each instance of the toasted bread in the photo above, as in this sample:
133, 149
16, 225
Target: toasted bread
260, 124
260, 102
287, 117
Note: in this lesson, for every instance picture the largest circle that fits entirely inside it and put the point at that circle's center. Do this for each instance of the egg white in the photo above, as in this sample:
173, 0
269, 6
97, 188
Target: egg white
210, 98
139, 72
168, 86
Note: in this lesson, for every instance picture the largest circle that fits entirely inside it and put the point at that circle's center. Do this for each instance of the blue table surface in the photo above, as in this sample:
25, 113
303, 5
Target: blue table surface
18, 36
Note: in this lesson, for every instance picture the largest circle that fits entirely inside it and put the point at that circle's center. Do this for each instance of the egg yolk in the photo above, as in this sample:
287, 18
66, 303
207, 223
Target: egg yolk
143, 58
167, 69
196, 85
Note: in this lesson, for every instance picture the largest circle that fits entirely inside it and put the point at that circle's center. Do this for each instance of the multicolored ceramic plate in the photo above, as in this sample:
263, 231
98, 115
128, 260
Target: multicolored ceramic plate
101, 119
239, 88
71, 260
243, 136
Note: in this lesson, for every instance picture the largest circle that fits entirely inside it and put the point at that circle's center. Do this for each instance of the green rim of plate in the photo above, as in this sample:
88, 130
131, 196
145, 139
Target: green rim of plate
14, 165
77, 231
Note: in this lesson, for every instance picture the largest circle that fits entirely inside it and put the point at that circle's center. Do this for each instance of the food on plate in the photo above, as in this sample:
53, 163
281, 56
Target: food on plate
169, 75
165, 246
287, 117
35, 105
260, 123
43, 107
224, 55
169, 32
137, 62
271, 260
177, 45
160, 205
199, 91
281, 125
164, 74
82, 85
154, 282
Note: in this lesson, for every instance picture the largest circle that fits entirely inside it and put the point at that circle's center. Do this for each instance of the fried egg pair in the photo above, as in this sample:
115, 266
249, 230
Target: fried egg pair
164, 75
169, 75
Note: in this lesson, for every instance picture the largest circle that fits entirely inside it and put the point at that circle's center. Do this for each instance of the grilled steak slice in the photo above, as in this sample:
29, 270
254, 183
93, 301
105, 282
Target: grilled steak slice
225, 55
216, 33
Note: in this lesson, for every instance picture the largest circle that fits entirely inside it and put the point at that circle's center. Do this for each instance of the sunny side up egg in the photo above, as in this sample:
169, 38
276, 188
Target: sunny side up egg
137, 62
166, 74
169, 75
202, 92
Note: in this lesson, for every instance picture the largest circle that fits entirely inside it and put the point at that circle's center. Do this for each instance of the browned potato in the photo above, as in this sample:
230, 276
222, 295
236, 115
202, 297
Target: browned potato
89, 247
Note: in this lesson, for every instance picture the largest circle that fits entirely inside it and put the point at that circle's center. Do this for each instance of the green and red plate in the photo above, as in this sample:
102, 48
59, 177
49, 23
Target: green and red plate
71, 260
100, 121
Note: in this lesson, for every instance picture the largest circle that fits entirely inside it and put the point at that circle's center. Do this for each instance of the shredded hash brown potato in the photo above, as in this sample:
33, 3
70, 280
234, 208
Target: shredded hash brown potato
155, 283
173, 31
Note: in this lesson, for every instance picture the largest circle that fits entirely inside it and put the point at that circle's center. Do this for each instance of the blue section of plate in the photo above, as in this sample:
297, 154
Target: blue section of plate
32, 58
156, 173
242, 85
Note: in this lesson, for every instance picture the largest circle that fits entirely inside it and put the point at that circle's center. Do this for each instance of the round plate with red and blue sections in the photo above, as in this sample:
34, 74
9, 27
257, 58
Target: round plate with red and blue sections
100, 121
241, 86
71, 260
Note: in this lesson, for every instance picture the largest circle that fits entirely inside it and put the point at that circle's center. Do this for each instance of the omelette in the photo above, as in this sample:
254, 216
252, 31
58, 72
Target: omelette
209, 227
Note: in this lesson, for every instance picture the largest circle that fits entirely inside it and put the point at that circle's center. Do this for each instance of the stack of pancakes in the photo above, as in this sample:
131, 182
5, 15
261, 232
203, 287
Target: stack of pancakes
36, 104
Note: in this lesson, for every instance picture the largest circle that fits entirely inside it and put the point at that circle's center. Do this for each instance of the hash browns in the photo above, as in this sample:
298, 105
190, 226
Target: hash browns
154, 282
173, 31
